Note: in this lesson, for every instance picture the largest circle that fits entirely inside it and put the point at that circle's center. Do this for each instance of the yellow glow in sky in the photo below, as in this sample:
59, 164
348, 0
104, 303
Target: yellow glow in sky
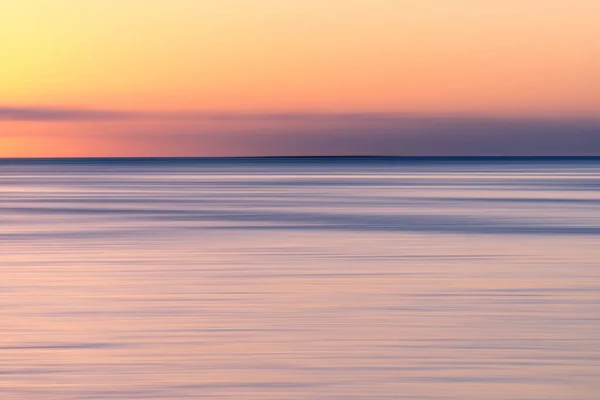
342, 54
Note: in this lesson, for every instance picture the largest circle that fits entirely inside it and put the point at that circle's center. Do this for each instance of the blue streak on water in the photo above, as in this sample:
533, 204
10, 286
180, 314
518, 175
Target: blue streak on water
342, 278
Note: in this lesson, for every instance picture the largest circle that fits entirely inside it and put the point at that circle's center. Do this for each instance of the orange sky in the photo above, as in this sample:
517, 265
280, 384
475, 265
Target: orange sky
469, 57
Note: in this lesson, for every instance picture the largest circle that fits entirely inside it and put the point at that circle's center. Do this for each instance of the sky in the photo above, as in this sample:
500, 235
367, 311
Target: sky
299, 77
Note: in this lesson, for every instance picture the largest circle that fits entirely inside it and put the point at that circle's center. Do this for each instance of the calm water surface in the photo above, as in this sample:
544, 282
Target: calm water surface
300, 280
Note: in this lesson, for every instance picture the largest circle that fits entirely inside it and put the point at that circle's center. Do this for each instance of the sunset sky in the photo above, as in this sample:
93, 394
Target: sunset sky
299, 77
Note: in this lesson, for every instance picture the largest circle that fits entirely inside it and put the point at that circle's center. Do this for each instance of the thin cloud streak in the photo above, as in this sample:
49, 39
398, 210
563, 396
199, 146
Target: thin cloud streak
50, 114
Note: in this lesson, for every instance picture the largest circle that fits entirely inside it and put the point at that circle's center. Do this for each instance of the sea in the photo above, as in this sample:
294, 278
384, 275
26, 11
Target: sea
309, 278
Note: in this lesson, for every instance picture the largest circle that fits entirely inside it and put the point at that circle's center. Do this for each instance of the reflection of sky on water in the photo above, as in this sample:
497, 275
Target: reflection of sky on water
300, 281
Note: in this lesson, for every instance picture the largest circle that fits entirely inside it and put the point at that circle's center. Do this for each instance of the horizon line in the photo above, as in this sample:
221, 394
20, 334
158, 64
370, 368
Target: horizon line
398, 157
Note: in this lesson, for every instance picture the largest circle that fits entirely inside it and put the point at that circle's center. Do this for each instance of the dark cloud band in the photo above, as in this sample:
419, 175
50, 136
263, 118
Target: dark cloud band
314, 133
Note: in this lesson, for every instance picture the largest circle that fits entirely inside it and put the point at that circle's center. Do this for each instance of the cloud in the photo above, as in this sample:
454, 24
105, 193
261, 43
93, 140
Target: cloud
49, 114
322, 133
395, 134
447, 142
